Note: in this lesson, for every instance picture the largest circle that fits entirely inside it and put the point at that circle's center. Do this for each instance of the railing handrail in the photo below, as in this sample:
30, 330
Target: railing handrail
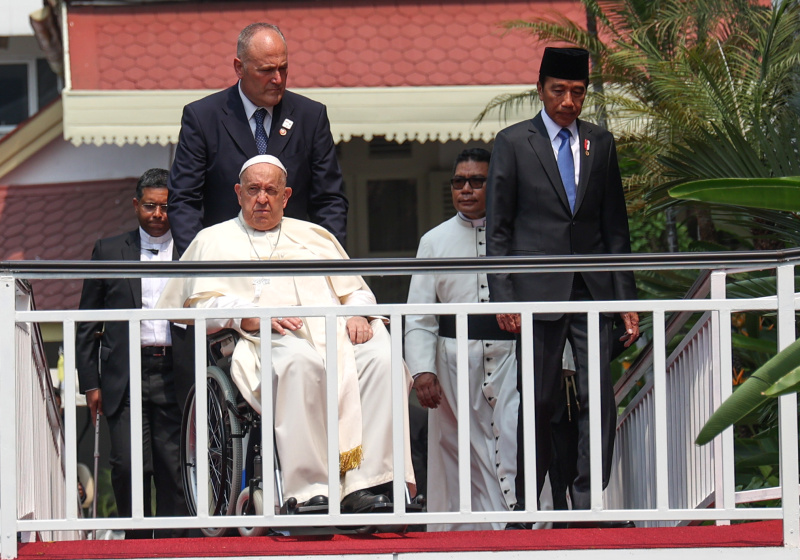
405, 265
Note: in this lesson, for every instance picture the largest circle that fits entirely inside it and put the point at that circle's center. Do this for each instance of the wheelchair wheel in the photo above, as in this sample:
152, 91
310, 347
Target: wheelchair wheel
224, 450
242, 503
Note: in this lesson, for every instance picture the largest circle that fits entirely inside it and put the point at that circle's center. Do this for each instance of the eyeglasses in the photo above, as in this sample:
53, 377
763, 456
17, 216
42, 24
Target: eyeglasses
476, 182
150, 207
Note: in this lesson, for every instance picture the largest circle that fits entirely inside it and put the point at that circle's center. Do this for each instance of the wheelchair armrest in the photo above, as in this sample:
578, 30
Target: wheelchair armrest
220, 348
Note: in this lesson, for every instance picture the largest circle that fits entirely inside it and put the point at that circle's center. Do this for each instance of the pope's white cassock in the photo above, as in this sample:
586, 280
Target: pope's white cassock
298, 357
492, 381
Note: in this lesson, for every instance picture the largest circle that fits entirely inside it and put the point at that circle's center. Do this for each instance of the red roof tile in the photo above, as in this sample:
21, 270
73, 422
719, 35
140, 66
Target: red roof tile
38, 222
357, 43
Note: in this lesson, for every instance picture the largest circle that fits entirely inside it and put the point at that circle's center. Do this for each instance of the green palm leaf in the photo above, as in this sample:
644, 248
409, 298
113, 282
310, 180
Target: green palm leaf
777, 193
750, 395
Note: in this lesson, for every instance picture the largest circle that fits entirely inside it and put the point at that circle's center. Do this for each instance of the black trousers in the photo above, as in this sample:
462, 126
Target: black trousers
161, 432
549, 338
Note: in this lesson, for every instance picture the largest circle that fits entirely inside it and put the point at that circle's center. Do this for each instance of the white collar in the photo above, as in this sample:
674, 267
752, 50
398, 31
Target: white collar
477, 222
146, 238
249, 106
553, 129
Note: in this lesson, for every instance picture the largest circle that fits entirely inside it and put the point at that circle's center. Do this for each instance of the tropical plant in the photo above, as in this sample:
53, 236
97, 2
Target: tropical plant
779, 376
703, 90
700, 90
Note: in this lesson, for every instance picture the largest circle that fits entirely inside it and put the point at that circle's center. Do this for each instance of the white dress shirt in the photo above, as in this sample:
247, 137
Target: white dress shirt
154, 333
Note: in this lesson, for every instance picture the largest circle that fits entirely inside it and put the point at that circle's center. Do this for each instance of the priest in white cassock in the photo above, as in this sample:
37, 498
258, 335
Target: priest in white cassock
431, 356
260, 232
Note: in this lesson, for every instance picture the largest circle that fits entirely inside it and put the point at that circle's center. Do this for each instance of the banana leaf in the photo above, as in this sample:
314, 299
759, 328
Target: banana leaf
789, 383
750, 394
775, 193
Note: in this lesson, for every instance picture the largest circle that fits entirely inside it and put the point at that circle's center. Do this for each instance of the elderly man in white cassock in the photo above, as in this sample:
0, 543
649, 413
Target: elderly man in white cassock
261, 232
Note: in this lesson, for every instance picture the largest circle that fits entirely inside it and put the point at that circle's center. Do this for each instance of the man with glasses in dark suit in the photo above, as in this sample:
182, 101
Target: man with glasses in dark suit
103, 360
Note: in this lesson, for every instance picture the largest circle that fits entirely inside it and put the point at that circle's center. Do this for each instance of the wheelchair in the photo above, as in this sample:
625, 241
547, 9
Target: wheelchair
235, 480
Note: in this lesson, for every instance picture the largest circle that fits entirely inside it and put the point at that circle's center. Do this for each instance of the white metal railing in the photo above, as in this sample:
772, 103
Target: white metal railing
40, 436
695, 380
662, 507
690, 374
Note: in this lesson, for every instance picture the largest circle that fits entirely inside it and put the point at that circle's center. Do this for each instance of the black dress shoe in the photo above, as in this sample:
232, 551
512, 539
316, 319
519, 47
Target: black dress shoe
518, 526
316, 501
363, 501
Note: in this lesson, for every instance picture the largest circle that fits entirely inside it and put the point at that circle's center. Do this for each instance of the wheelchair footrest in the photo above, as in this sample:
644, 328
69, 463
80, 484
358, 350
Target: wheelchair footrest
317, 504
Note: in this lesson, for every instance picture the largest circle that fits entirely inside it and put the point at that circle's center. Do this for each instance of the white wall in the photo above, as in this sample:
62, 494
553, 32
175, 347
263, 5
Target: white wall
14, 16
61, 162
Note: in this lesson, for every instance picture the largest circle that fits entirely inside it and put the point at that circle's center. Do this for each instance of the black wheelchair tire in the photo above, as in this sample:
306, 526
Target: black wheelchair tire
225, 450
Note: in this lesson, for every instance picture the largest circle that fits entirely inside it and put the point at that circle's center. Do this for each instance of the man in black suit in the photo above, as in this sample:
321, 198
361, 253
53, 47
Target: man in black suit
554, 188
103, 359
256, 116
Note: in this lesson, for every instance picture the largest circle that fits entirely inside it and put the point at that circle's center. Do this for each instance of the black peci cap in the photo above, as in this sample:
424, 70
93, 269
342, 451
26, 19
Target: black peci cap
565, 63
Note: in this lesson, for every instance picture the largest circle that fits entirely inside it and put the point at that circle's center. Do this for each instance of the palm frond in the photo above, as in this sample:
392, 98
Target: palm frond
508, 104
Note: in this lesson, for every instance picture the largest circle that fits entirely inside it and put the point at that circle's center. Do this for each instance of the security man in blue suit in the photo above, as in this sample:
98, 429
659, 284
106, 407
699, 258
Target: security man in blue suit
255, 116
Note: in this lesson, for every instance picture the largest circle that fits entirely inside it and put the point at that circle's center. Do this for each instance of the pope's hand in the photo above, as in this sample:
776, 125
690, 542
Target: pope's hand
280, 324
359, 329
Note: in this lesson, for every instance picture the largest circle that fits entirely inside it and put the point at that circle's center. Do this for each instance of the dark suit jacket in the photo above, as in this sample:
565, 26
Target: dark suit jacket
114, 358
528, 213
215, 140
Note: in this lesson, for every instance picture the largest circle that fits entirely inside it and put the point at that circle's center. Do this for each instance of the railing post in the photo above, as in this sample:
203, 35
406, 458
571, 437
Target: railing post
332, 410
660, 410
398, 426
8, 419
528, 418
462, 415
724, 488
595, 414
70, 412
787, 413
201, 417
135, 395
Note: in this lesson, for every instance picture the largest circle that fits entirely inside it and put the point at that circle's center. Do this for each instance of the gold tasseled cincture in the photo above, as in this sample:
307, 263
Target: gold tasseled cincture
350, 460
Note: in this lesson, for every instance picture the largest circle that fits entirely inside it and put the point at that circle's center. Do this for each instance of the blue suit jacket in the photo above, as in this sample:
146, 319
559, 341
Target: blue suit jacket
215, 140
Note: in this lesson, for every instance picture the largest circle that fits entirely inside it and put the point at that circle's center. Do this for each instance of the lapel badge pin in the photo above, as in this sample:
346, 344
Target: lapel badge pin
586, 144
287, 124
282, 132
